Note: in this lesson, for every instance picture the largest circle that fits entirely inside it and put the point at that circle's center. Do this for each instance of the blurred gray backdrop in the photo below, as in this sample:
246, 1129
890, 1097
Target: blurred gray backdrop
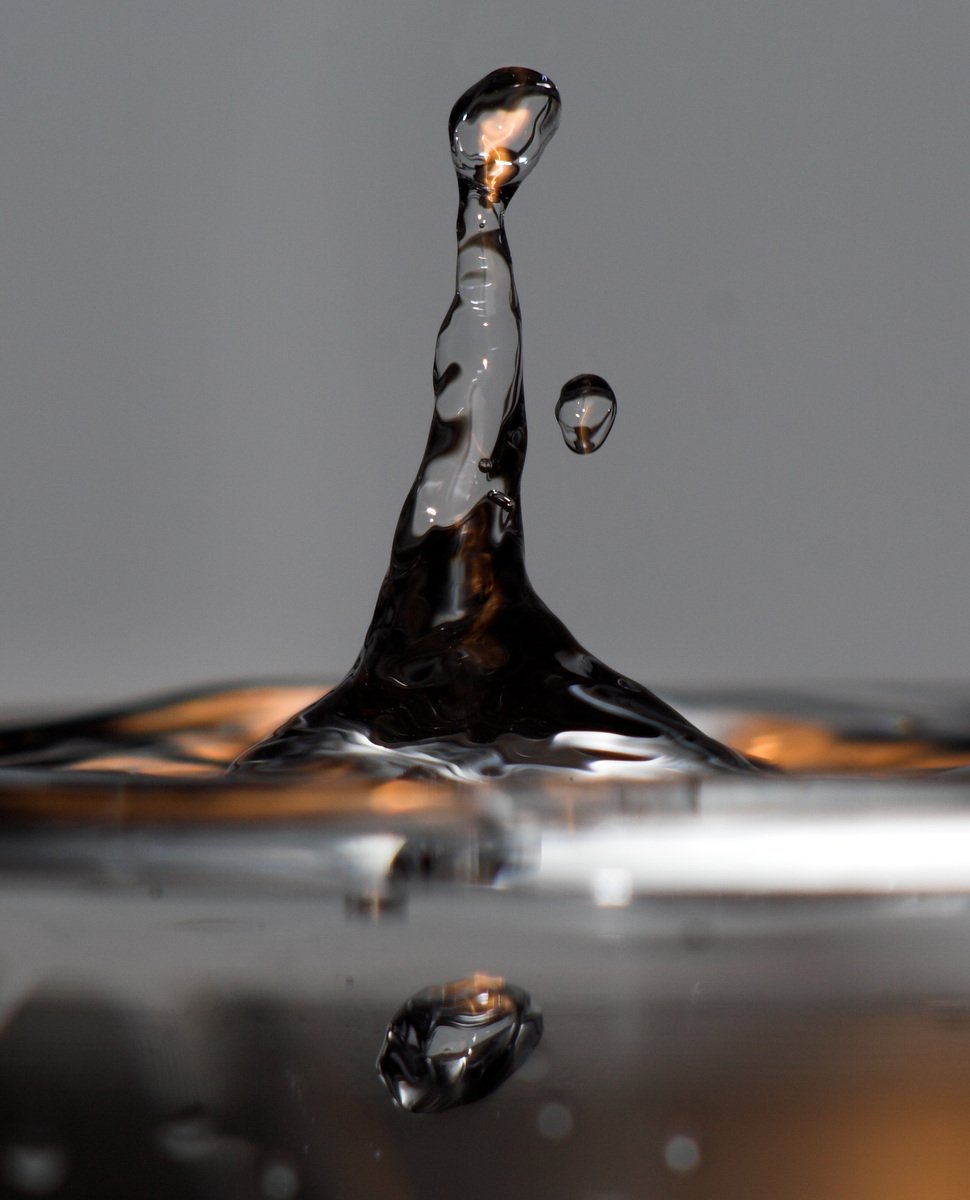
226, 245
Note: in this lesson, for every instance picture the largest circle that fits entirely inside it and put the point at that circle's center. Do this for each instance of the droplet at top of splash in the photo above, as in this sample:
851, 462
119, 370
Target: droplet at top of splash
500, 127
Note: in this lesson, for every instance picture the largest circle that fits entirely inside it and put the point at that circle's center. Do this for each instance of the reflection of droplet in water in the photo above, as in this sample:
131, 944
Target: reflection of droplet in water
555, 1121
682, 1154
586, 410
278, 1180
34, 1169
457, 1042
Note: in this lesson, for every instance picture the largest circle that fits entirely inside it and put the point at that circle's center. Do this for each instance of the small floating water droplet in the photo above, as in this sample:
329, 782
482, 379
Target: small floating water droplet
34, 1168
455, 1043
485, 465
586, 410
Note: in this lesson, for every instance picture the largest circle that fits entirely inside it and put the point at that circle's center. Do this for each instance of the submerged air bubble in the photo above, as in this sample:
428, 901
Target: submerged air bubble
456, 1042
586, 410
34, 1169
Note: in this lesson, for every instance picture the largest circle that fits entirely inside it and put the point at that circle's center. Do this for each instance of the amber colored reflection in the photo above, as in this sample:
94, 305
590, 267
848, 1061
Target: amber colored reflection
197, 735
213, 729
806, 746
899, 1141
479, 995
340, 794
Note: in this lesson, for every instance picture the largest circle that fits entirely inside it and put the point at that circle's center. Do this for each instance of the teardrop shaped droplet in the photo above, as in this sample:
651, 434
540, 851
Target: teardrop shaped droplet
456, 1042
586, 410
499, 128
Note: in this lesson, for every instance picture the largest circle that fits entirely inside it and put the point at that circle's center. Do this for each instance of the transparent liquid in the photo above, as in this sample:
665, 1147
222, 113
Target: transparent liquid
752, 984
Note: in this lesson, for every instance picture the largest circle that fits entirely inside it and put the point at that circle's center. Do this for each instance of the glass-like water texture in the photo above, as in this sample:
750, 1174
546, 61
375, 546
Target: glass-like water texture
750, 946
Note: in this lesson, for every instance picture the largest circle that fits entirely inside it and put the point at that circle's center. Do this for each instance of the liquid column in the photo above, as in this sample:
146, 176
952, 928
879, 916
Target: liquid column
464, 670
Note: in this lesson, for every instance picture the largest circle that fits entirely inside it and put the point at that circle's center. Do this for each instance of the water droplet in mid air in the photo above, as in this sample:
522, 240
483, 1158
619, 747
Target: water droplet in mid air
456, 1042
586, 410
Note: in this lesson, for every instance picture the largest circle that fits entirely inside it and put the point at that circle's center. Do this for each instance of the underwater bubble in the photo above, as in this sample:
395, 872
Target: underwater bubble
586, 410
34, 1168
456, 1042
682, 1154
555, 1122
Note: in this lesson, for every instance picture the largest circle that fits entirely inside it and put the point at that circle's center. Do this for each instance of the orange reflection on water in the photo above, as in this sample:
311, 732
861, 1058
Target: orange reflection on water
336, 794
807, 747
218, 726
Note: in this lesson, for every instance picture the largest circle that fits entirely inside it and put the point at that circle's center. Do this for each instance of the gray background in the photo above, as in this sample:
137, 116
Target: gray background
226, 244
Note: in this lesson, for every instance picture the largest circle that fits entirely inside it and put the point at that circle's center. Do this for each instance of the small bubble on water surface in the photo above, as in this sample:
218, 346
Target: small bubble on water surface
682, 1154
586, 410
455, 1043
34, 1169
